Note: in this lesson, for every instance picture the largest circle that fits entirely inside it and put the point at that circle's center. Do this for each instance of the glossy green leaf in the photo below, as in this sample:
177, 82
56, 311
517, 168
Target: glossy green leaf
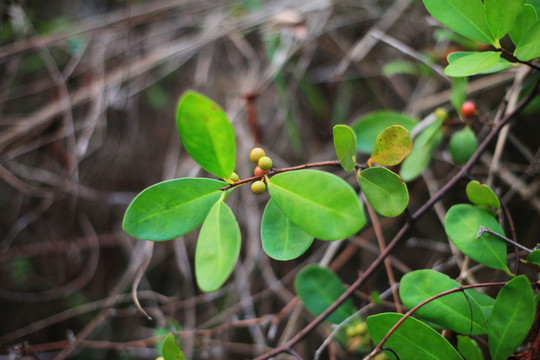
501, 65
482, 195
534, 257
384, 190
458, 92
484, 301
206, 133
345, 146
501, 15
462, 145
369, 126
466, 17
321, 203
412, 340
458, 311
318, 288
424, 146
170, 350
392, 145
469, 349
462, 224
171, 208
528, 47
525, 20
281, 239
218, 247
511, 318
473, 63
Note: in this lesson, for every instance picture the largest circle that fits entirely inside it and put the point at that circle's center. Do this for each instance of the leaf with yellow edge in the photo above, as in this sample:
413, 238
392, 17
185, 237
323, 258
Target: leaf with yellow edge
391, 146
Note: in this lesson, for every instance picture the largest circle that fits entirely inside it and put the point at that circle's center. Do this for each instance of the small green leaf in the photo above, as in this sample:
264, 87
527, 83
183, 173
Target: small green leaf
523, 23
412, 340
462, 224
528, 47
321, 203
218, 247
281, 239
534, 257
206, 133
392, 145
171, 208
473, 63
369, 126
170, 350
458, 92
398, 67
482, 195
469, 349
345, 146
462, 145
458, 311
424, 146
501, 15
511, 318
501, 65
318, 288
384, 190
466, 17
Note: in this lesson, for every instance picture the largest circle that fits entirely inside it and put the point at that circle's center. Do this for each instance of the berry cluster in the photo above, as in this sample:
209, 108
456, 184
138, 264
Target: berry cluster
264, 165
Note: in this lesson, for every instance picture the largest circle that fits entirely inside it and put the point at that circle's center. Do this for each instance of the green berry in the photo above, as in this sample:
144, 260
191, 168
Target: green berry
258, 187
440, 113
234, 177
256, 154
265, 163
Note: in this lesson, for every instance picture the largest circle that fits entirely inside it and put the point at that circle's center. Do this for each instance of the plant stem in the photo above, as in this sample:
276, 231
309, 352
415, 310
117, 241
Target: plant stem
484, 229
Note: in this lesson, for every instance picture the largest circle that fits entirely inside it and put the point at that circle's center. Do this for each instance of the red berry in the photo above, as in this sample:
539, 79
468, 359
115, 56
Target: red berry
468, 109
260, 172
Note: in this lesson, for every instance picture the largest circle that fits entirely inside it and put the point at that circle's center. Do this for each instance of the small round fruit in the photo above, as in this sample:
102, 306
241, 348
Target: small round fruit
265, 163
260, 172
468, 109
440, 113
258, 187
256, 154
234, 177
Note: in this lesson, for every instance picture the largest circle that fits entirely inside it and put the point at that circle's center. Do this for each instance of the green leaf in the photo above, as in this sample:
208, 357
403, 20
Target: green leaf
171, 208
482, 195
424, 146
384, 190
170, 350
462, 224
321, 203
218, 247
535, 4
528, 47
523, 23
318, 288
511, 318
369, 126
466, 17
281, 239
458, 92
534, 257
462, 145
501, 15
412, 340
398, 67
345, 145
484, 301
501, 65
454, 311
392, 145
473, 63
206, 133
469, 349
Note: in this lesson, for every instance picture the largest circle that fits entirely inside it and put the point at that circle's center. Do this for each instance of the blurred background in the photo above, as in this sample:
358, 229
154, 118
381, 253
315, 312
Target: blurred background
88, 91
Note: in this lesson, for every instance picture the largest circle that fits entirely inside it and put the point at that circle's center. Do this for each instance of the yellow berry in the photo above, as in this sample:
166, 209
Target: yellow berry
361, 328
234, 177
256, 154
258, 187
265, 163
440, 113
